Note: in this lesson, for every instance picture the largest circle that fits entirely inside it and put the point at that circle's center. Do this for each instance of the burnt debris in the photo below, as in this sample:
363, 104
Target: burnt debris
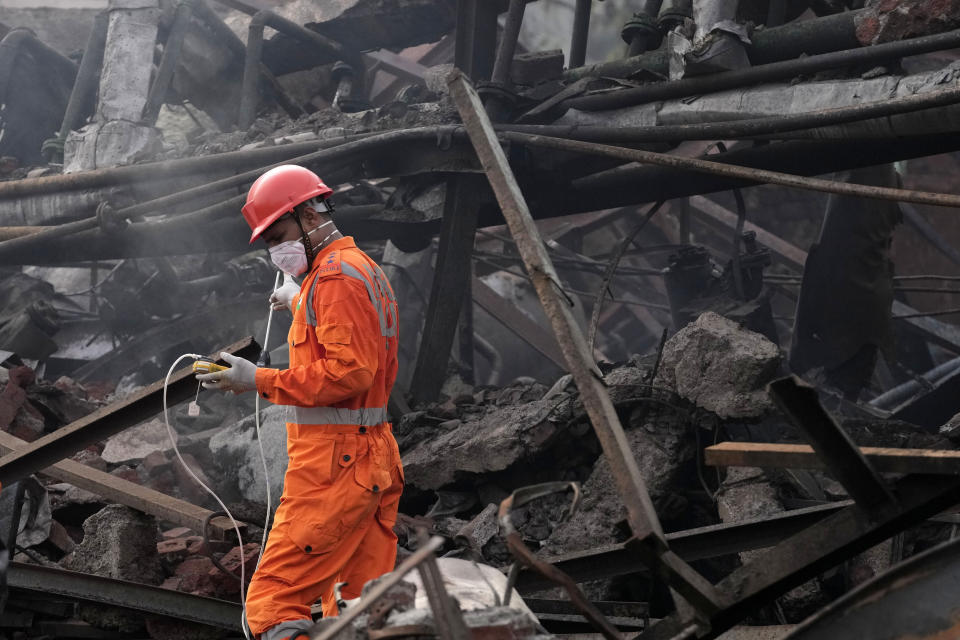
677, 294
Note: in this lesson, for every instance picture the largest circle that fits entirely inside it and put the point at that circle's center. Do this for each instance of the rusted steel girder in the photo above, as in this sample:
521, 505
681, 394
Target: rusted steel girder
121, 593
107, 420
643, 521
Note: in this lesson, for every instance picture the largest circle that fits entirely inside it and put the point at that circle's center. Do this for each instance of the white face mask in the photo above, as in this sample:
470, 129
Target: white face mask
291, 256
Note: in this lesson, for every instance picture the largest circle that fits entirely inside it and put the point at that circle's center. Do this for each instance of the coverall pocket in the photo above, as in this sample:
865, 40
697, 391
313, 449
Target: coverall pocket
372, 475
298, 333
312, 537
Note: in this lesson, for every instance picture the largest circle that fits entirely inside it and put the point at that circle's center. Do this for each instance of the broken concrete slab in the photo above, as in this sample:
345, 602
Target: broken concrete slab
720, 367
118, 542
661, 445
482, 444
237, 454
137, 443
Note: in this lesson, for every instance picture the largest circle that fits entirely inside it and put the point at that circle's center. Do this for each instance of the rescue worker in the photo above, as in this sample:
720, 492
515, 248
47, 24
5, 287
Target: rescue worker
344, 476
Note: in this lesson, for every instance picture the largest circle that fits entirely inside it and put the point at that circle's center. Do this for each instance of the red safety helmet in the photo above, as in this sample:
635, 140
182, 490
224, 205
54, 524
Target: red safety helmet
278, 191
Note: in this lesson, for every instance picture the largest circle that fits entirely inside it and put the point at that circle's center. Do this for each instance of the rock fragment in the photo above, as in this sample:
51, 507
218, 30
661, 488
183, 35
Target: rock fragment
720, 367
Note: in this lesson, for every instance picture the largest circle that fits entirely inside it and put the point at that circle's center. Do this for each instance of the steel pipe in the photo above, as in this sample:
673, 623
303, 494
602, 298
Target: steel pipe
508, 42
811, 37
250, 94
84, 92
168, 63
581, 32
765, 73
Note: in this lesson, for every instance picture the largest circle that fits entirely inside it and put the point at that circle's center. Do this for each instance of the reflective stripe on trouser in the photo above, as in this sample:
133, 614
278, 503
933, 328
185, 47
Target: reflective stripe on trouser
334, 524
287, 629
364, 417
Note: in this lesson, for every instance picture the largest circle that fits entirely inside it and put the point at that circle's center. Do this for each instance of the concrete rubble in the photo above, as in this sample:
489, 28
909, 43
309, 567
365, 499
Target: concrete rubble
691, 309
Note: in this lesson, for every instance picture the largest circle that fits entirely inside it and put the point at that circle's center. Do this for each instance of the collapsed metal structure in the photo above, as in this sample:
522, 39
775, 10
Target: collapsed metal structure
519, 153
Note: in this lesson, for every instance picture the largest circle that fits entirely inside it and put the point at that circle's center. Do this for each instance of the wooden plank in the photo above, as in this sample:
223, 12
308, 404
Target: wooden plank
125, 492
801, 456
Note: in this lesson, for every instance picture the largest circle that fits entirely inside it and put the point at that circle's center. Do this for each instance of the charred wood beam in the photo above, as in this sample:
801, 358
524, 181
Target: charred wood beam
802, 456
451, 279
648, 541
107, 421
124, 492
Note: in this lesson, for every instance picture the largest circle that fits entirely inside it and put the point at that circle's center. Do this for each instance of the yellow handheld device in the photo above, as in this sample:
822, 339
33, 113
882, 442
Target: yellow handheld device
207, 366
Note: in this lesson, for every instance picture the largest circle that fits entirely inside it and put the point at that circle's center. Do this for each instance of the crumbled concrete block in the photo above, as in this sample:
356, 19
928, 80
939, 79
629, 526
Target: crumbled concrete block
120, 543
136, 443
720, 367
237, 454
661, 446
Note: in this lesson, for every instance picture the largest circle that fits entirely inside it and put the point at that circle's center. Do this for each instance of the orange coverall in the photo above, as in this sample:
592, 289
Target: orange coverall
344, 477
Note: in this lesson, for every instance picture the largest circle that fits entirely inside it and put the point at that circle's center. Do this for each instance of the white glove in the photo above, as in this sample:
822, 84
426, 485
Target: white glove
240, 377
282, 297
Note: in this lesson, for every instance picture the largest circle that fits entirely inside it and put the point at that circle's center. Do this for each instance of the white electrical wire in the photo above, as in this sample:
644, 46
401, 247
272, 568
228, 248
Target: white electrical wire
263, 460
236, 525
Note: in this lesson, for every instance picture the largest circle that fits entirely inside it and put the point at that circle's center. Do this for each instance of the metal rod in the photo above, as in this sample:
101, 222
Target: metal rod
747, 173
250, 93
765, 73
168, 63
83, 94
581, 31
383, 585
106, 421
508, 42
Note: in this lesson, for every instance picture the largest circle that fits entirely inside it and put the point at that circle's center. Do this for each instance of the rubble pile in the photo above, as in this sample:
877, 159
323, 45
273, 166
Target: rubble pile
131, 130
